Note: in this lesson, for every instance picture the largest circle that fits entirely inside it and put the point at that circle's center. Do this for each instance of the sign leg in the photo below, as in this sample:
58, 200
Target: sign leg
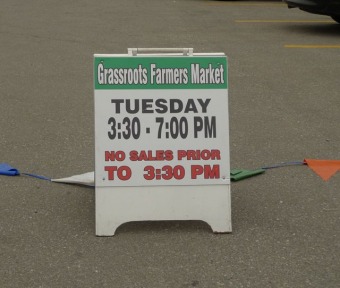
127, 204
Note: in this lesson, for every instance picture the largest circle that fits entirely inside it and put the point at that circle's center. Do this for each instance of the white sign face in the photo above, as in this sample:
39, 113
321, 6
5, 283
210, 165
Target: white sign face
161, 121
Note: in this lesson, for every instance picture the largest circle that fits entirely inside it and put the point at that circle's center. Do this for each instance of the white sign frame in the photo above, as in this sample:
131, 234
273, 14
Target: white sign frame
118, 202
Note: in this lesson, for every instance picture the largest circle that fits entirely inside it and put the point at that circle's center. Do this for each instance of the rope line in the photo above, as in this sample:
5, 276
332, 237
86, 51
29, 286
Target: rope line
283, 164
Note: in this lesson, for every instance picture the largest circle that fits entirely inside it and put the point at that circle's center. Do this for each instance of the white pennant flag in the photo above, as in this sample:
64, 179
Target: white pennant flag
82, 179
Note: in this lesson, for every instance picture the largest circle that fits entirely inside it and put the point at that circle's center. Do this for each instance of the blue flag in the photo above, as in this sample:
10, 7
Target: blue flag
8, 170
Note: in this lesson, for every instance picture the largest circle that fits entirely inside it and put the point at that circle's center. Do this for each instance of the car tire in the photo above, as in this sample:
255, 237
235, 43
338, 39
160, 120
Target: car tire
336, 18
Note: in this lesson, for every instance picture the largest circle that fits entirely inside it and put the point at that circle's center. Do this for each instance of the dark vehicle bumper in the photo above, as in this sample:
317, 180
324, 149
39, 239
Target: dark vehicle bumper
324, 7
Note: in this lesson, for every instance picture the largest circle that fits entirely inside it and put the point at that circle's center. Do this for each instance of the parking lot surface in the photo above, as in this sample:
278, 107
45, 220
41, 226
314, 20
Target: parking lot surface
283, 106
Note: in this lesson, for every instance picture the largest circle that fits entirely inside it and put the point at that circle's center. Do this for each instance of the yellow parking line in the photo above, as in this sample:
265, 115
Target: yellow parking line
284, 21
245, 4
311, 46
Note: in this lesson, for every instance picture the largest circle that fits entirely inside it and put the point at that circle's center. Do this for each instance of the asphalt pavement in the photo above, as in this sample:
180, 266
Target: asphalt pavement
283, 106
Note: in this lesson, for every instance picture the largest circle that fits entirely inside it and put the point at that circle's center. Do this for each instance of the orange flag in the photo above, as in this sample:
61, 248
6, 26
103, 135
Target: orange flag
324, 168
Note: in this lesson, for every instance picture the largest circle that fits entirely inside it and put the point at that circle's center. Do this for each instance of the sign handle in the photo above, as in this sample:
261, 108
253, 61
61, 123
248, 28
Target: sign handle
136, 51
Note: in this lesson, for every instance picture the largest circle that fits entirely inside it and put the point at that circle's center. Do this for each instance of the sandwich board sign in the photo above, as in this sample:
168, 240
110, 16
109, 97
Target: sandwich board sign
161, 138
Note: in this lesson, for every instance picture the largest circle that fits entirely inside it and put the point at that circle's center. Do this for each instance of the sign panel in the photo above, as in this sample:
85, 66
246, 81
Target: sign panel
161, 120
